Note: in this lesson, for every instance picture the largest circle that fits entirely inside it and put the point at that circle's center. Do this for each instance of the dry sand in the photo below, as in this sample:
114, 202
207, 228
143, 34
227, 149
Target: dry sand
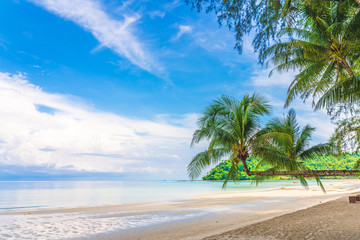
337, 219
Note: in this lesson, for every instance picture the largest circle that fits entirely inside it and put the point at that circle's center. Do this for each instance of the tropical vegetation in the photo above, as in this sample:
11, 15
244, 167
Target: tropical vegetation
325, 48
233, 130
327, 162
284, 145
231, 127
320, 40
262, 19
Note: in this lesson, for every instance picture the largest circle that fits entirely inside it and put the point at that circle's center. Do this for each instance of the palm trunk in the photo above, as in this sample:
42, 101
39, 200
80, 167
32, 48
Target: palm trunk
307, 173
347, 66
246, 169
243, 155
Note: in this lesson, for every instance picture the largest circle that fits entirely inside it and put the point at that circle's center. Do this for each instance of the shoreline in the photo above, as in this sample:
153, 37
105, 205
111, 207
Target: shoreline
84, 208
223, 222
202, 216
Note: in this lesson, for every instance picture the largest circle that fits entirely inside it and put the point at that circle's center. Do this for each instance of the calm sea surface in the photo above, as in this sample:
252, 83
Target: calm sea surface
25, 195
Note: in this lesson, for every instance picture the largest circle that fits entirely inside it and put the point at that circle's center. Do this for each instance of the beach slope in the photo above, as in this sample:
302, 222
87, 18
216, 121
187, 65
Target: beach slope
336, 219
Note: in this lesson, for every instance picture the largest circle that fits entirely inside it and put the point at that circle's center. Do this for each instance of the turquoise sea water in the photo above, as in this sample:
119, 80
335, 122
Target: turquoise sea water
26, 195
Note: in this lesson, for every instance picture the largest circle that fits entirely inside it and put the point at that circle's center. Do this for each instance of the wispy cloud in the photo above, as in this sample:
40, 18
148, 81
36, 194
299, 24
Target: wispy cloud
183, 29
261, 78
156, 13
319, 119
118, 35
81, 138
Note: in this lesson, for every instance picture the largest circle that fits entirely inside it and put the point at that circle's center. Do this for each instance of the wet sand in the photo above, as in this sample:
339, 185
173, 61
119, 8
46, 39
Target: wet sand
197, 218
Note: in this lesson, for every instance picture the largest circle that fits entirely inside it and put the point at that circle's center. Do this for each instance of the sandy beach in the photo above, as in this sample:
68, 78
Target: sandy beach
233, 215
336, 219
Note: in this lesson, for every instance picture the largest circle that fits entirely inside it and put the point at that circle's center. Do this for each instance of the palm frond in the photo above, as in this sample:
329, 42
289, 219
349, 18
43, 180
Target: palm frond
319, 149
233, 174
319, 183
303, 182
347, 90
304, 139
205, 159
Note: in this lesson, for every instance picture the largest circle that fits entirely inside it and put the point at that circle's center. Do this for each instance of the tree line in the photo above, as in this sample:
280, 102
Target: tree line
328, 162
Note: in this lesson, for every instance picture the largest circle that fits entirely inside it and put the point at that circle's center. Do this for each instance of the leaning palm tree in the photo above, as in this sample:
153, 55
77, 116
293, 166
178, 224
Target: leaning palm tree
231, 128
284, 145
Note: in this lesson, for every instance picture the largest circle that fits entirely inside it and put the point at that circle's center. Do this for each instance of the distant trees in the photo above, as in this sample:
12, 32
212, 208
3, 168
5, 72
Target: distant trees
324, 162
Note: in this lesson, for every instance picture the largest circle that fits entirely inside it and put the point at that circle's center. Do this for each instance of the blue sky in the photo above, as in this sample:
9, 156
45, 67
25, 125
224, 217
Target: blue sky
114, 88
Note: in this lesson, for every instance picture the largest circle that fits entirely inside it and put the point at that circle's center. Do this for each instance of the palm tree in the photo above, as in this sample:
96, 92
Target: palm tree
231, 127
326, 50
284, 146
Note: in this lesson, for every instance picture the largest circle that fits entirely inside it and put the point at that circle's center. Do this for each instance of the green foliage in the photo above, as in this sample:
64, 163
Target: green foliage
221, 170
284, 145
264, 18
318, 38
324, 162
325, 48
230, 126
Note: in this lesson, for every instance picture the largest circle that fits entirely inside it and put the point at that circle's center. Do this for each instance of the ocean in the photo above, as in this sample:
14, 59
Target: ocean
32, 195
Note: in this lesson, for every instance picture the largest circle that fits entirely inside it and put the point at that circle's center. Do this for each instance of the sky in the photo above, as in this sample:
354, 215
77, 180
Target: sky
108, 89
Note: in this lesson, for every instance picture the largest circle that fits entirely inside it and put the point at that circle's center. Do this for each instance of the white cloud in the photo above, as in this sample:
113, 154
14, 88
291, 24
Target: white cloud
112, 33
43, 129
261, 78
319, 119
182, 30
